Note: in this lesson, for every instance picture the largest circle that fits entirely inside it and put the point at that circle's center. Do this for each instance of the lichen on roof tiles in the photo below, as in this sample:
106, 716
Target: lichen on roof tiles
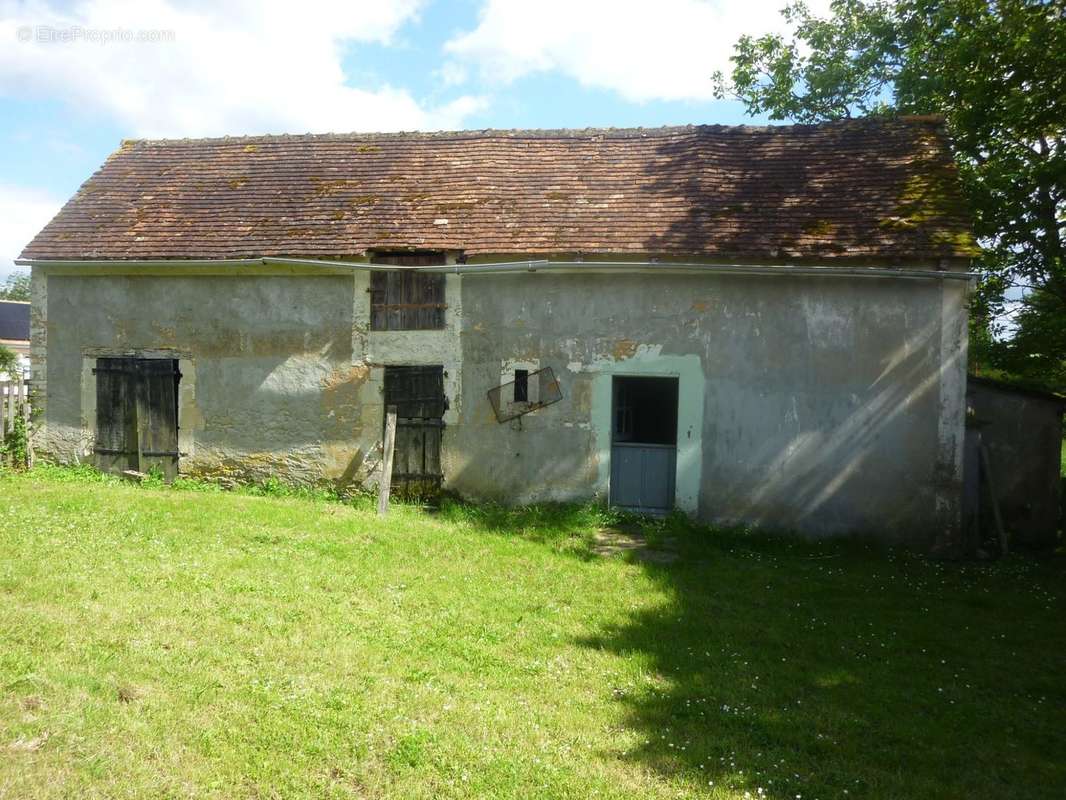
871, 188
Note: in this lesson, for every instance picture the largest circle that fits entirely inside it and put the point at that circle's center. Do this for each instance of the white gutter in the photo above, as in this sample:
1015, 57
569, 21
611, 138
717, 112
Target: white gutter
165, 262
542, 265
726, 269
207, 262
323, 262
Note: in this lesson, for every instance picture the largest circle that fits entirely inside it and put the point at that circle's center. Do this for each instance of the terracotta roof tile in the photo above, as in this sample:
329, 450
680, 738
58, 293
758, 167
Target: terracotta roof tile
872, 188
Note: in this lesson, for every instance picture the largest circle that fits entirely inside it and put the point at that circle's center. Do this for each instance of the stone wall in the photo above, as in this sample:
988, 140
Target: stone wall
827, 405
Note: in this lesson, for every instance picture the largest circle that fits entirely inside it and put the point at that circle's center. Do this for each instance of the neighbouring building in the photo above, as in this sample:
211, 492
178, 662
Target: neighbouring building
1021, 431
15, 328
759, 325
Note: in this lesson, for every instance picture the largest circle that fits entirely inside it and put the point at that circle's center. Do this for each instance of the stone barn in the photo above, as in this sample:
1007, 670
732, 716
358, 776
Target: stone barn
759, 325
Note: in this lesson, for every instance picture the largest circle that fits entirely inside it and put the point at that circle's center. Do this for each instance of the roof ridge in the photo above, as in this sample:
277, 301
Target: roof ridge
543, 133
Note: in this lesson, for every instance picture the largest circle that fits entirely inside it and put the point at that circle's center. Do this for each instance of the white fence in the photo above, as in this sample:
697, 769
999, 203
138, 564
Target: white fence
15, 405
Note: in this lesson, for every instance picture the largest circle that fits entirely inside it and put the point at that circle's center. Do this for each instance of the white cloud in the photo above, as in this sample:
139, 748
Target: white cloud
23, 212
662, 50
253, 66
452, 73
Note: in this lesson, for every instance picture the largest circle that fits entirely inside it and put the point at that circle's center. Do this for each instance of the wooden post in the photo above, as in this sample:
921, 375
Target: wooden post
26, 419
3, 411
22, 408
135, 424
11, 408
385, 486
1004, 542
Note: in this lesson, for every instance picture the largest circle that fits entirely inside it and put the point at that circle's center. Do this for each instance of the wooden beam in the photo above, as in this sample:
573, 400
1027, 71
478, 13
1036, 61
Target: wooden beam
3, 411
1004, 541
385, 486
12, 399
135, 424
29, 431
24, 396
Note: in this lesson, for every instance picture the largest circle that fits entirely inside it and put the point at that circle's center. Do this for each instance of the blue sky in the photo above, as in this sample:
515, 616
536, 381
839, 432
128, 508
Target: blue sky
77, 78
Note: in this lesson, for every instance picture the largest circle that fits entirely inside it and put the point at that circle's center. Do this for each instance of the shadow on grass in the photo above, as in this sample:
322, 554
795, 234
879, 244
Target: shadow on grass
786, 667
566, 528
789, 668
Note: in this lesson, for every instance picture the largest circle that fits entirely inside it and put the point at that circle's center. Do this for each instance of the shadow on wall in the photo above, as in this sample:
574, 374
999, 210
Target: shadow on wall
270, 352
817, 477
859, 458
820, 477
250, 402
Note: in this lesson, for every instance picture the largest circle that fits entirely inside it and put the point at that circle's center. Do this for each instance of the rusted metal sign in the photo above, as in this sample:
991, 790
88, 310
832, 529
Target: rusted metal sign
528, 393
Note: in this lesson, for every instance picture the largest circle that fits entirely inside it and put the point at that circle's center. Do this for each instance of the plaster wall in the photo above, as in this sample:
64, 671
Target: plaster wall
826, 405
281, 374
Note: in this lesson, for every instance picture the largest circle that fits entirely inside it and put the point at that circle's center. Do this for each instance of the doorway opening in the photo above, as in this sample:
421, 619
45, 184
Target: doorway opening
644, 443
137, 415
418, 394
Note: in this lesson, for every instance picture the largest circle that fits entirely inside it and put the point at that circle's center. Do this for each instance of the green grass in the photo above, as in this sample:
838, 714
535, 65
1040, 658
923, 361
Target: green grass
176, 643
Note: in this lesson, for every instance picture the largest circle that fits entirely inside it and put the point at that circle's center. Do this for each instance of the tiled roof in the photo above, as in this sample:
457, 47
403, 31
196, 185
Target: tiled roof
14, 320
872, 188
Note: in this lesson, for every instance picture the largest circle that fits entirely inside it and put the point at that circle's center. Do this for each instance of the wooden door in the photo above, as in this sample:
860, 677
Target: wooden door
418, 394
157, 398
115, 448
137, 415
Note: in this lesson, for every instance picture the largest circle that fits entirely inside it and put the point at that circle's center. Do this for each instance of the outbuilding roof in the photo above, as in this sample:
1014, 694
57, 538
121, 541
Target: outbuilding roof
873, 188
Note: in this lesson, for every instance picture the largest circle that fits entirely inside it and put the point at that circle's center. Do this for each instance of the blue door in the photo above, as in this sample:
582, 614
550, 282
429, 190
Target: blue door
644, 443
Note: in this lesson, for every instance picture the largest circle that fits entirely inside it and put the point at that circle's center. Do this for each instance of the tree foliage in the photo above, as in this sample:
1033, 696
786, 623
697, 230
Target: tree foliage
8, 361
16, 287
996, 70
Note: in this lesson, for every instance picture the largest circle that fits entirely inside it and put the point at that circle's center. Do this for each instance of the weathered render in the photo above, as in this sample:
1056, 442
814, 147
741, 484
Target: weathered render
815, 323
280, 374
810, 404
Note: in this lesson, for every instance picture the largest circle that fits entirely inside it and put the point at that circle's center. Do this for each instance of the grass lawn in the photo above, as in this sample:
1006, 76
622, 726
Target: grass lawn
173, 643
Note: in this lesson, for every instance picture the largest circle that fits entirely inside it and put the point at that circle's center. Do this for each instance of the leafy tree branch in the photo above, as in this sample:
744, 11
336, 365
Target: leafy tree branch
996, 70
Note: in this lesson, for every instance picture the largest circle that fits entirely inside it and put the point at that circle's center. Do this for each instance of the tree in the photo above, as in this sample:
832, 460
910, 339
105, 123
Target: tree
996, 70
16, 287
8, 361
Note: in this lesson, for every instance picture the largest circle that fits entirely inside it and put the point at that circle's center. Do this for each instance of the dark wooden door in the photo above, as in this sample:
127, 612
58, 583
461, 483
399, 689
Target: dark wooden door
418, 394
405, 300
137, 415
116, 411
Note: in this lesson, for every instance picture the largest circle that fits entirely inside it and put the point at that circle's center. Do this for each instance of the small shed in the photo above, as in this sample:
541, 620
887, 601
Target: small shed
1021, 432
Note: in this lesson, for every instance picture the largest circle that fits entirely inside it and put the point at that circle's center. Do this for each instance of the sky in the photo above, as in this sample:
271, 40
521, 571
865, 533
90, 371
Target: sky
78, 78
